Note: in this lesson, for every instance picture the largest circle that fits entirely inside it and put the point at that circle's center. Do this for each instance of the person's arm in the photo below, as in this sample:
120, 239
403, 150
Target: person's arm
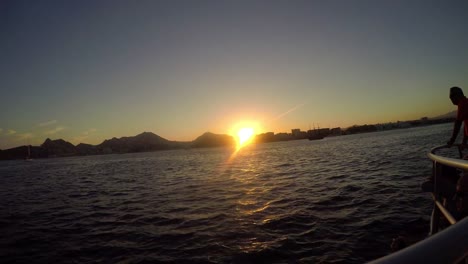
456, 129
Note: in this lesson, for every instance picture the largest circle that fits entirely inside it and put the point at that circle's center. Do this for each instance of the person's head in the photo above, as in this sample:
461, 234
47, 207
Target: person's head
456, 94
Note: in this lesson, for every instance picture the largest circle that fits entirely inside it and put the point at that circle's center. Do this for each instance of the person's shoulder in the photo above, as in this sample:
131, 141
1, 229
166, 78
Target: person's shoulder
464, 102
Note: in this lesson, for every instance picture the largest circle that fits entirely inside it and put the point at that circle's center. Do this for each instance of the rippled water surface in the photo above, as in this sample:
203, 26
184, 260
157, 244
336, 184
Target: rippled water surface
341, 199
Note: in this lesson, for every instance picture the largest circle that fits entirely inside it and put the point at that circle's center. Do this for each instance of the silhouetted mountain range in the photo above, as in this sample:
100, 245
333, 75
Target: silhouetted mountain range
140, 143
209, 140
143, 142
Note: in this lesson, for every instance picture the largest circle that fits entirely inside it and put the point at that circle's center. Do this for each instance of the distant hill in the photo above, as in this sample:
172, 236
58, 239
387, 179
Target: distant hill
87, 149
452, 114
22, 153
209, 140
59, 147
143, 142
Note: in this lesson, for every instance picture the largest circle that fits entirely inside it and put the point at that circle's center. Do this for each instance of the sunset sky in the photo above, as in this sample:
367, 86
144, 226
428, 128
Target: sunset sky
86, 71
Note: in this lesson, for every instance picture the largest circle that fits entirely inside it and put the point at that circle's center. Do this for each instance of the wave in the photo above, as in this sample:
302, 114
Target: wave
336, 201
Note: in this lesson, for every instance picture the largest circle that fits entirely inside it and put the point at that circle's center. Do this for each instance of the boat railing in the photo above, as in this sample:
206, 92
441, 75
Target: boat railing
451, 244
445, 174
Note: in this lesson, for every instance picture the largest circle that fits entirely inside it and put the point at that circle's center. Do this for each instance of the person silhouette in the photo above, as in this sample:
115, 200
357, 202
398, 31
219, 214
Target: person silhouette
458, 98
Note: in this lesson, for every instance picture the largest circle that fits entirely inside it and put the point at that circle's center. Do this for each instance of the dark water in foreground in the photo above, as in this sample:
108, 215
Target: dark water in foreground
341, 199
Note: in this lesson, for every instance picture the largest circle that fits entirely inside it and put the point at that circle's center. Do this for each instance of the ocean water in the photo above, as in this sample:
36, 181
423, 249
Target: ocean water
337, 200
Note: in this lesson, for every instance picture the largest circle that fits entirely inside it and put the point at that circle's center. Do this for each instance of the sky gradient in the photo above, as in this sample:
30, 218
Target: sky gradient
86, 71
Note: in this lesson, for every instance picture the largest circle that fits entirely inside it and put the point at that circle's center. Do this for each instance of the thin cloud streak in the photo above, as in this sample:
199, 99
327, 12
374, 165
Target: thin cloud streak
47, 123
83, 136
54, 131
25, 136
89, 131
288, 112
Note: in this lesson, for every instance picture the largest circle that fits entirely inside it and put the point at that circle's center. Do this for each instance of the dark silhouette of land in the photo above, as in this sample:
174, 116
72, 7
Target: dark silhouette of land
143, 142
148, 141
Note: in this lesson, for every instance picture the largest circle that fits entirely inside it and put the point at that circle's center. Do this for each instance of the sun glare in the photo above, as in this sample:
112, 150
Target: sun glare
245, 136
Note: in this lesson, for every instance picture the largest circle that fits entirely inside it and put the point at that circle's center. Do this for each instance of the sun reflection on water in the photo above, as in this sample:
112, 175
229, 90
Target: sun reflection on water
253, 206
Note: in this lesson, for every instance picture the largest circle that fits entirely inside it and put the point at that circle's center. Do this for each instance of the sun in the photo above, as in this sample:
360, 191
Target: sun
245, 136
244, 132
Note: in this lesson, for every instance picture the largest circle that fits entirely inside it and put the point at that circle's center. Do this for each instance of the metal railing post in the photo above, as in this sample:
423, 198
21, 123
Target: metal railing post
435, 218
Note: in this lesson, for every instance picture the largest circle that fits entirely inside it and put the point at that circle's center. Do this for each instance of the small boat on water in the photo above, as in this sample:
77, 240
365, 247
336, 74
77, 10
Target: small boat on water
28, 156
448, 235
315, 134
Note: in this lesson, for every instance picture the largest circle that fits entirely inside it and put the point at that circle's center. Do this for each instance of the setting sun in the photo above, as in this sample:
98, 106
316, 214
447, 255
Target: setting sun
244, 132
245, 135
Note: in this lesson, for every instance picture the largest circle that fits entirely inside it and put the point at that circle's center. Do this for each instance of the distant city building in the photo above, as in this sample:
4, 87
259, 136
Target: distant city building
265, 137
283, 136
403, 124
295, 132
